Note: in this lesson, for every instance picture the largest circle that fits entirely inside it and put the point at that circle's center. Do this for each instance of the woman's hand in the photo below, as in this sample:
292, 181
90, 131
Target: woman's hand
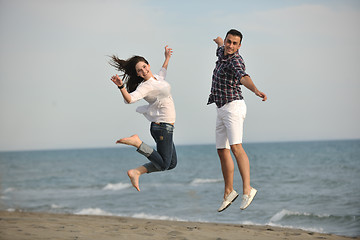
168, 52
117, 80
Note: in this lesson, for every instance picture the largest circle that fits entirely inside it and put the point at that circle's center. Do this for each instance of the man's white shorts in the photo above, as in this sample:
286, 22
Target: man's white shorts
229, 124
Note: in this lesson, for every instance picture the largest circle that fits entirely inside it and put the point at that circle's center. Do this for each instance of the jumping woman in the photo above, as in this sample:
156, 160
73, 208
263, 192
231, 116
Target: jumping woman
138, 82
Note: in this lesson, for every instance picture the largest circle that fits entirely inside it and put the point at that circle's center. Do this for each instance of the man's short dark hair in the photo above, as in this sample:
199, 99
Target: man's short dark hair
235, 32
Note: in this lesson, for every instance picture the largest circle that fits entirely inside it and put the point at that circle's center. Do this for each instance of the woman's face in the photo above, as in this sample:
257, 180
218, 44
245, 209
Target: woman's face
143, 70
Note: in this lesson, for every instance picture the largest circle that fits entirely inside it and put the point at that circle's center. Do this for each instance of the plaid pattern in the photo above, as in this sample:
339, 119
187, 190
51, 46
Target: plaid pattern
225, 85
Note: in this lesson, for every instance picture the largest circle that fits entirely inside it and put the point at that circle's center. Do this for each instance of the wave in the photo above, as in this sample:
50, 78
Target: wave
287, 215
308, 221
93, 211
198, 181
310, 229
117, 186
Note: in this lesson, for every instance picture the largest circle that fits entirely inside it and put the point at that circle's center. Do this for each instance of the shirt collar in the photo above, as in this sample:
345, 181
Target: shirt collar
227, 57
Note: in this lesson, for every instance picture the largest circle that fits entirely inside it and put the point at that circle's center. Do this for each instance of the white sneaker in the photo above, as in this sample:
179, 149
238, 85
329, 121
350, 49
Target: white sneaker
247, 199
228, 200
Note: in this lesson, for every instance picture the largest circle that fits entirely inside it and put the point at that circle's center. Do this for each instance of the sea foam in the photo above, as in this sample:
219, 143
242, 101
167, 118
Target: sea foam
198, 181
55, 206
117, 186
93, 211
155, 217
8, 190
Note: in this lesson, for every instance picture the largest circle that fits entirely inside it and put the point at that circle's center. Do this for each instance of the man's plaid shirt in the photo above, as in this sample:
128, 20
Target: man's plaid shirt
228, 71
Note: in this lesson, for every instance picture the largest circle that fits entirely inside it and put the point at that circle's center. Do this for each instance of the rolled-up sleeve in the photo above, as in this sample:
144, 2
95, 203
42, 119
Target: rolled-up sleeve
140, 92
220, 52
162, 73
239, 70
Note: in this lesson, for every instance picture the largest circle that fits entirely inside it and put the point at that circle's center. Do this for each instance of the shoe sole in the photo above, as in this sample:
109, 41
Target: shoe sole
229, 203
250, 202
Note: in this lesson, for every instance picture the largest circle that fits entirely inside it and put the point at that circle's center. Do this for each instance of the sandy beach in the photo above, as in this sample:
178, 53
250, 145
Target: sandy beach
25, 225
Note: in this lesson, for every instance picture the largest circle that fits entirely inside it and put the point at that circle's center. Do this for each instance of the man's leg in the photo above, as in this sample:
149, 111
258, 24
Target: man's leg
244, 166
227, 168
227, 164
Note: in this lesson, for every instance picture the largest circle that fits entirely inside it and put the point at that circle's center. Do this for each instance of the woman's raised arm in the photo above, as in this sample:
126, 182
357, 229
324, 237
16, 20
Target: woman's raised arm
168, 53
118, 82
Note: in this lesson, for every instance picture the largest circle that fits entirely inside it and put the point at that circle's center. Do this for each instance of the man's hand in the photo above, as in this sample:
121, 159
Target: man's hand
261, 94
219, 41
249, 84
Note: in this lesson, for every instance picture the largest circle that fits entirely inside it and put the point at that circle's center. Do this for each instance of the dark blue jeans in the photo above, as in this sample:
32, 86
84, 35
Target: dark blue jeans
164, 157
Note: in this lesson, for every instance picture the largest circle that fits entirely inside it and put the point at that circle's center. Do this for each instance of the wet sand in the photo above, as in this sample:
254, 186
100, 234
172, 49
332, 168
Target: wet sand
37, 226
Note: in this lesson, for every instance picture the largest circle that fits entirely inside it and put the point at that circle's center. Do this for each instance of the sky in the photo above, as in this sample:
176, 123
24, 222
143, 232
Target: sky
56, 93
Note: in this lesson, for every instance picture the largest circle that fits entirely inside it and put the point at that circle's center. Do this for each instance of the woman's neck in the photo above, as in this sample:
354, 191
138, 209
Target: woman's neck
149, 77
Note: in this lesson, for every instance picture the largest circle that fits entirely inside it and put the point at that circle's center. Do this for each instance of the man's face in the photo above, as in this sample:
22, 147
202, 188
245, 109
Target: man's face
232, 44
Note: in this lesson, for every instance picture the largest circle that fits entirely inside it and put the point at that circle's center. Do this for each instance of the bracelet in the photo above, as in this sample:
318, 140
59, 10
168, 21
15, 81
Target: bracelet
121, 87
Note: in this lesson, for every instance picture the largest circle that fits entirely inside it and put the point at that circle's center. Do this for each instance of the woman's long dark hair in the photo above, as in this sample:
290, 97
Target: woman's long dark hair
129, 76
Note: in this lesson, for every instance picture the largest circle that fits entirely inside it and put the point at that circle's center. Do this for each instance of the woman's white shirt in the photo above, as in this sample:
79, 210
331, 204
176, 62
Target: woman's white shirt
157, 92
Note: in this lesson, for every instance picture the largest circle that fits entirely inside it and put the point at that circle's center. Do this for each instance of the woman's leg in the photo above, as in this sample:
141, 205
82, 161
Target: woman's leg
165, 158
165, 155
173, 162
134, 140
151, 167
134, 175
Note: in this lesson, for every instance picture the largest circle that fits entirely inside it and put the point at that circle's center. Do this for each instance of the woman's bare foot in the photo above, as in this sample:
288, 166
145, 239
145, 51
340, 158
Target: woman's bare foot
134, 140
134, 178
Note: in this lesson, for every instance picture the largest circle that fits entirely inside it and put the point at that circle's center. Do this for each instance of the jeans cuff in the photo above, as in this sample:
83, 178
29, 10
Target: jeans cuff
145, 149
151, 167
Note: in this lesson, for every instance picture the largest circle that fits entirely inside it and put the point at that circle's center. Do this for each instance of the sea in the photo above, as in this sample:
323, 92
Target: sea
314, 186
